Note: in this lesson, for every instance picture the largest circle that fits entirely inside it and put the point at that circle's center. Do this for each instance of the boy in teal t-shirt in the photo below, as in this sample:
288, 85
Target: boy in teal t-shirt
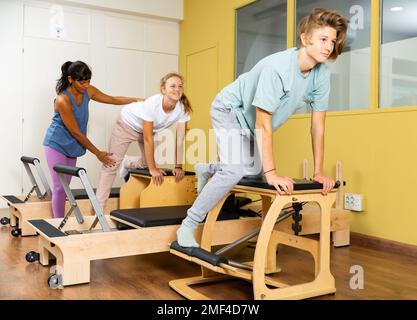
247, 112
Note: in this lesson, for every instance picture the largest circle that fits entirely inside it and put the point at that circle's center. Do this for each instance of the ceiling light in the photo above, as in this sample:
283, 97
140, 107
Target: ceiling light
395, 9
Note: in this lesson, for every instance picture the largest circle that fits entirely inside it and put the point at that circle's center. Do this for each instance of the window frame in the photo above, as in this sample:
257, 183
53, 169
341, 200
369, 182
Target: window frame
374, 65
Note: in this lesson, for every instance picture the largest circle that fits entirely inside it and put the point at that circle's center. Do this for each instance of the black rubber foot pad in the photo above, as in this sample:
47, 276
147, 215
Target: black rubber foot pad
199, 253
47, 228
12, 199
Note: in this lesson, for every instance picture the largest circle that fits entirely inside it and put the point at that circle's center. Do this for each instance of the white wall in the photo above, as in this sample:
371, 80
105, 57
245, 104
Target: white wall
11, 29
128, 55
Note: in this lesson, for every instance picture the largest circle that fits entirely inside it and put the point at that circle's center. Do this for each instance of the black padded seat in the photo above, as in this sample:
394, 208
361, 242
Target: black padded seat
160, 216
300, 184
145, 172
80, 194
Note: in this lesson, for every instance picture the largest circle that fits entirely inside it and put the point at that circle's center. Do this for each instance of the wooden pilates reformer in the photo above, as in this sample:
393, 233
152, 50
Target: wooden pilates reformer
262, 271
27, 207
76, 241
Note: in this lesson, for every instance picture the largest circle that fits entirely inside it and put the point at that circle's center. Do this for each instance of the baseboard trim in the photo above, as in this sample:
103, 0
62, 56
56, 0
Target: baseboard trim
383, 244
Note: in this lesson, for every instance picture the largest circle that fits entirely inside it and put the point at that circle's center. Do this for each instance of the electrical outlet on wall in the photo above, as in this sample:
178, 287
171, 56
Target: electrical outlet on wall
353, 202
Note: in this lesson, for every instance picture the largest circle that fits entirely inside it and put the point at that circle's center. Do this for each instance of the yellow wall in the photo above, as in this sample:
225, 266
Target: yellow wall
378, 147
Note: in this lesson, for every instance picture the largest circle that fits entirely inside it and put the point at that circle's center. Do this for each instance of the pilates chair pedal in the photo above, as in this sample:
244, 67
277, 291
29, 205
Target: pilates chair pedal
199, 253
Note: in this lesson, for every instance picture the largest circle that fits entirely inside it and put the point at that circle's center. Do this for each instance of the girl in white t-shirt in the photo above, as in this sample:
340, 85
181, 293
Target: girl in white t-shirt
139, 122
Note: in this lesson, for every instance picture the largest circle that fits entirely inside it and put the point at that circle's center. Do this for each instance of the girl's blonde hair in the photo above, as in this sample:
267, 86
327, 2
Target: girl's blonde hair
184, 100
320, 17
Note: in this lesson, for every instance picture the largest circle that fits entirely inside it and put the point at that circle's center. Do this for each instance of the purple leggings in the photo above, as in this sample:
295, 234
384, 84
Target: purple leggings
54, 157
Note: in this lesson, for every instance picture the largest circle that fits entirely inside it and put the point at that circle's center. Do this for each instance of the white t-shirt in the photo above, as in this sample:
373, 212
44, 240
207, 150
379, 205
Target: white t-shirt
151, 110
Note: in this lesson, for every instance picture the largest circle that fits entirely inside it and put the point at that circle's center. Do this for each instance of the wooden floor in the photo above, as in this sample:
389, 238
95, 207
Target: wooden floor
386, 275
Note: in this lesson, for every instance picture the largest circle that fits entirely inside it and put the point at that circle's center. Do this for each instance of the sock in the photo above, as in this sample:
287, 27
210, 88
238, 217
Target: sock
185, 237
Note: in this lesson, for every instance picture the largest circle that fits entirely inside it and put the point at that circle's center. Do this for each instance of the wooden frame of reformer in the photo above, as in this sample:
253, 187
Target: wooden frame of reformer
34, 208
39, 206
74, 253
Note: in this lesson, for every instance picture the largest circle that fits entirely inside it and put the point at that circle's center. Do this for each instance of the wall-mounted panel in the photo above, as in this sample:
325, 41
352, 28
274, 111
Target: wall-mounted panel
124, 33
125, 72
56, 22
162, 36
41, 70
125, 77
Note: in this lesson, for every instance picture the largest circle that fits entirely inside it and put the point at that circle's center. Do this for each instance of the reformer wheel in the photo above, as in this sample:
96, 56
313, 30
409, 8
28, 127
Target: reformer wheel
32, 256
54, 281
4, 221
16, 232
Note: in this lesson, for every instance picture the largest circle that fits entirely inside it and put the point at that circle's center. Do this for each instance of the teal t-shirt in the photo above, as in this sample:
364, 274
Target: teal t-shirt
277, 85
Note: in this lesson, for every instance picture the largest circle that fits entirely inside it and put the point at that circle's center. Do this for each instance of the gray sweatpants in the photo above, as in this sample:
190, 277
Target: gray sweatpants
238, 153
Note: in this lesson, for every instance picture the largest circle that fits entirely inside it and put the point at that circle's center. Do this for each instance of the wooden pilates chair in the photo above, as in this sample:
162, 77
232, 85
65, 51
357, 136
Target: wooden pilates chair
27, 207
309, 222
215, 267
76, 241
